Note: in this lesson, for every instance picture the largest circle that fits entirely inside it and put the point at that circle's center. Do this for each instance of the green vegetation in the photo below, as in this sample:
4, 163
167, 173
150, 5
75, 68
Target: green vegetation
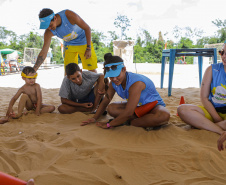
146, 49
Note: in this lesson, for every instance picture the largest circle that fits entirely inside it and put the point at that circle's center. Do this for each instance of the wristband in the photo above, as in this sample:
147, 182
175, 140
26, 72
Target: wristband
108, 125
88, 49
88, 46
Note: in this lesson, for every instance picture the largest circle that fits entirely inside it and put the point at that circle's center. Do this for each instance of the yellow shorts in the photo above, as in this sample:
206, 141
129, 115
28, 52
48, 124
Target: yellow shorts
71, 56
208, 116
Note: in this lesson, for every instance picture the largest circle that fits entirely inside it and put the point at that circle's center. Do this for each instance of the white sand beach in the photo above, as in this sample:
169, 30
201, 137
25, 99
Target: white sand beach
55, 149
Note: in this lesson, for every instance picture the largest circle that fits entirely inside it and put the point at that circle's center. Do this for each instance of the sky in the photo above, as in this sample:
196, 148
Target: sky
21, 16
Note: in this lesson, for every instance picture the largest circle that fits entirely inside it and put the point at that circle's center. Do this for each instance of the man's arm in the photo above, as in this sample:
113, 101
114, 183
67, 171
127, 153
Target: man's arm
43, 53
76, 19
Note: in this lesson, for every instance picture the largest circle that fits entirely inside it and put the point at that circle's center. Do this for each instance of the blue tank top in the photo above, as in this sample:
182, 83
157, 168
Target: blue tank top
149, 94
71, 34
217, 95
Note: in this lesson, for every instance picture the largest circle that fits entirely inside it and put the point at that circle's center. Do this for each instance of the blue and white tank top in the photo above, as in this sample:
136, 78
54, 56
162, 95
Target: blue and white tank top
71, 34
149, 94
218, 89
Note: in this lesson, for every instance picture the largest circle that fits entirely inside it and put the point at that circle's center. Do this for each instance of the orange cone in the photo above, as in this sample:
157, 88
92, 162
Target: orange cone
144, 109
6, 179
181, 102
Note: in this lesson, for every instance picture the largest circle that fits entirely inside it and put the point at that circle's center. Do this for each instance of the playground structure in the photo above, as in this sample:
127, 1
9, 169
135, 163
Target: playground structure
31, 55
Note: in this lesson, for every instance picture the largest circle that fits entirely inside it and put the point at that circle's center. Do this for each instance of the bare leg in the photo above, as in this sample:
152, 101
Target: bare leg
67, 109
156, 117
47, 108
24, 102
194, 116
222, 124
30, 182
3, 120
114, 109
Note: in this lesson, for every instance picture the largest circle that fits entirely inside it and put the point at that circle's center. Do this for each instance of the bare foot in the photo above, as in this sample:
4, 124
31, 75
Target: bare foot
187, 127
15, 116
30, 182
3, 120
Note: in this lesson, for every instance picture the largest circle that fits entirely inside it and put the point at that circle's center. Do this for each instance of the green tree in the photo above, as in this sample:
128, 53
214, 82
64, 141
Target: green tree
56, 51
113, 36
185, 43
99, 46
160, 39
4, 35
122, 22
202, 41
34, 40
147, 37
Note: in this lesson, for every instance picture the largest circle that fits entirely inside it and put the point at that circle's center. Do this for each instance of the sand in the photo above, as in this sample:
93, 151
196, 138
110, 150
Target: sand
55, 149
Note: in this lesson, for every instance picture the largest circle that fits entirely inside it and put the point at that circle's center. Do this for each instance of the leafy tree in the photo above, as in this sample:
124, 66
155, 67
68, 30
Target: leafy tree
5, 35
160, 37
191, 33
99, 46
113, 36
122, 22
139, 41
56, 50
185, 43
34, 40
214, 40
202, 41
219, 23
147, 37
177, 32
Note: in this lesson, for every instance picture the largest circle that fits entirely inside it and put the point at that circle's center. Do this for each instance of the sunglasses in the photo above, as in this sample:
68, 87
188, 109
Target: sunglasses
221, 52
113, 67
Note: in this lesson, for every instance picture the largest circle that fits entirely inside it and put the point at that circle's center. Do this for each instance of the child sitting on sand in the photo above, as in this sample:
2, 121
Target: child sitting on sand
31, 96
80, 90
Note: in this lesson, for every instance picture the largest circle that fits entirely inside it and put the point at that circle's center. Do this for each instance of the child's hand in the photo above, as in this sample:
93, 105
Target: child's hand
88, 105
11, 115
37, 113
90, 120
9, 112
102, 125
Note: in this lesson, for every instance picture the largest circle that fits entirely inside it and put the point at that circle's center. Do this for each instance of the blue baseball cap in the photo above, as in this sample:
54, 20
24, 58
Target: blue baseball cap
45, 21
116, 72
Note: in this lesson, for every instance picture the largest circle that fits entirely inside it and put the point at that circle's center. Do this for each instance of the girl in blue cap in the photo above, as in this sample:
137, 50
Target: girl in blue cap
136, 89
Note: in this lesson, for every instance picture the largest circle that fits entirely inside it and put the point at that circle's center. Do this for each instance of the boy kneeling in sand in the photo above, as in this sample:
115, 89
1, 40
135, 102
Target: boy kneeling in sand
31, 96
80, 90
